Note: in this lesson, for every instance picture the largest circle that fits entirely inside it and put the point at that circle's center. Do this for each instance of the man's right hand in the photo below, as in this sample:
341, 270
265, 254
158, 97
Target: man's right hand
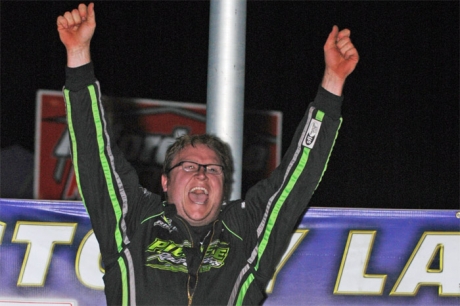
76, 28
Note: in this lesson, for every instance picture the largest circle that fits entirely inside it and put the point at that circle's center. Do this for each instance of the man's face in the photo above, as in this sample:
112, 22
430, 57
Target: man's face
197, 195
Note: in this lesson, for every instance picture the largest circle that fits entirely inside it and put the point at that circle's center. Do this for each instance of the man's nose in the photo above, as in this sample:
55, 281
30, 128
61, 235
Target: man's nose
202, 173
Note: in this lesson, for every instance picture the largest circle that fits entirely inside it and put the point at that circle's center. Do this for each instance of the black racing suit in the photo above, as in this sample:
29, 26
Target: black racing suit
151, 255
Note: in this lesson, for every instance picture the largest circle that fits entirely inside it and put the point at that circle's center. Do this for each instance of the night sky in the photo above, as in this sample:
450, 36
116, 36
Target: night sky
399, 143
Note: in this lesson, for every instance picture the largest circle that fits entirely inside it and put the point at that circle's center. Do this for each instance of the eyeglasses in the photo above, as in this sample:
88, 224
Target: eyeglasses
189, 166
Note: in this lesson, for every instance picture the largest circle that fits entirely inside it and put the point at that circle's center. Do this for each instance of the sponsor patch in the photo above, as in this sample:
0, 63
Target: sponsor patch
312, 133
169, 255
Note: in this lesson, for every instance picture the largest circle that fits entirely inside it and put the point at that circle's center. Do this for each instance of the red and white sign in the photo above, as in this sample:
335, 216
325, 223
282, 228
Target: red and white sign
144, 129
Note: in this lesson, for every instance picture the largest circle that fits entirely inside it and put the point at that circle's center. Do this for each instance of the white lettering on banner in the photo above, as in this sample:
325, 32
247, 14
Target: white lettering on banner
352, 278
2, 230
418, 271
88, 263
296, 238
422, 269
41, 237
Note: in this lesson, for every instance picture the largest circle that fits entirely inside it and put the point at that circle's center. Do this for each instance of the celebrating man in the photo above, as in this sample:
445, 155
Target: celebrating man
196, 247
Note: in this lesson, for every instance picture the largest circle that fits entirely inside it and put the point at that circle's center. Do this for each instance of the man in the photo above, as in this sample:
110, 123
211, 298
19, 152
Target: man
196, 247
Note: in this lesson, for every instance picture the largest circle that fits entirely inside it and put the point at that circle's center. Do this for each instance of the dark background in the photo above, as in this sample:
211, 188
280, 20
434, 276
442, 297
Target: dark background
399, 144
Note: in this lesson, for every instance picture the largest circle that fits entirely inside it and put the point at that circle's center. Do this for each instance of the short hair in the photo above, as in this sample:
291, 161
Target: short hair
214, 143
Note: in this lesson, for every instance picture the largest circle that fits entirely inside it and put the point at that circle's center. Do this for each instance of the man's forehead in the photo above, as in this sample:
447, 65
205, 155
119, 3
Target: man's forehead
197, 152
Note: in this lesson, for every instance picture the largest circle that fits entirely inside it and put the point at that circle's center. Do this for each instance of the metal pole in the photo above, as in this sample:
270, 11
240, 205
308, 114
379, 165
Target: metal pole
225, 92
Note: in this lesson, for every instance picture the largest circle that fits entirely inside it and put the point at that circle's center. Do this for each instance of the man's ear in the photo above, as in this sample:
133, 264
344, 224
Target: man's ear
164, 182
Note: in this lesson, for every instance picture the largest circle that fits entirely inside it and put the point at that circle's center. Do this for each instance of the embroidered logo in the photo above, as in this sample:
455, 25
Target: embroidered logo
312, 133
215, 255
166, 225
168, 255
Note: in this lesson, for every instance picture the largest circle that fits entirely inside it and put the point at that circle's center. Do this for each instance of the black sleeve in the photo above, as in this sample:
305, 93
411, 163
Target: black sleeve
108, 184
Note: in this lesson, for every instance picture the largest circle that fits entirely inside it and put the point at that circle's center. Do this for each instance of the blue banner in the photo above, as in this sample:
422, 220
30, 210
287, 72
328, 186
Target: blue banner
49, 256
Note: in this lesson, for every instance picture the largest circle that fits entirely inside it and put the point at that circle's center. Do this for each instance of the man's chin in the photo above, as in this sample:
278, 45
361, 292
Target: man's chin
198, 219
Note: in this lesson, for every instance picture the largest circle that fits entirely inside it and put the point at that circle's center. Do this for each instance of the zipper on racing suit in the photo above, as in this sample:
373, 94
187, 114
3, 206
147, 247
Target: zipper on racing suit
191, 292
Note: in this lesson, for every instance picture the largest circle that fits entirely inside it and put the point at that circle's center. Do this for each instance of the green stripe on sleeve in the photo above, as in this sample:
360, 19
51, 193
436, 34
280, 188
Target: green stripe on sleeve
244, 289
279, 203
105, 164
272, 219
286, 191
73, 141
124, 283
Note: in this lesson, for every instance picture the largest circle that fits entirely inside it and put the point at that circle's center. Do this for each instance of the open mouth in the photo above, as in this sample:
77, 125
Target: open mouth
198, 195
